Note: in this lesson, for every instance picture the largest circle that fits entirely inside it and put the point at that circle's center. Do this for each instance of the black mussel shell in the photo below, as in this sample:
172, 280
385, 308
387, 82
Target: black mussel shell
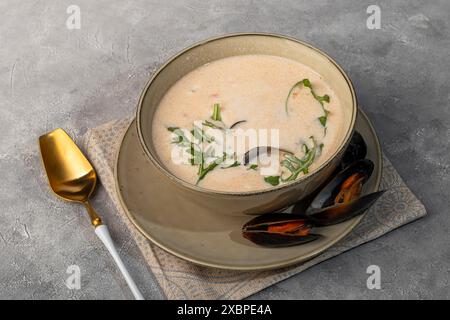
326, 196
268, 219
277, 240
255, 152
279, 230
237, 123
301, 206
342, 212
356, 150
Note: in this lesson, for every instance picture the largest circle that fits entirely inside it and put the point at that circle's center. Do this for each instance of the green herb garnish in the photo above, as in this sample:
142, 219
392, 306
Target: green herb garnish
216, 116
273, 180
253, 167
321, 99
297, 84
216, 113
234, 164
180, 138
199, 147
323, 119
296, 165
202, 171
197, 155
200, 135
212, 125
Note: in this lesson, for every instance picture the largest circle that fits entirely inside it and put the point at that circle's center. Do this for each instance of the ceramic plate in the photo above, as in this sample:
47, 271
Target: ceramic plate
192, 233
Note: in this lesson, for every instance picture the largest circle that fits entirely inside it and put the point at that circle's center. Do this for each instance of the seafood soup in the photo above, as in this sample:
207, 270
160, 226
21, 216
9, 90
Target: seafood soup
284, 110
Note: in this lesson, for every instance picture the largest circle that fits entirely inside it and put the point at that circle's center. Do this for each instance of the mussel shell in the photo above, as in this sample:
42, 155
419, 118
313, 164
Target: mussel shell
342, 212
301, 206
264, 220
356, 150
237, 123
276, 240
256, 230
255, 152
326, 196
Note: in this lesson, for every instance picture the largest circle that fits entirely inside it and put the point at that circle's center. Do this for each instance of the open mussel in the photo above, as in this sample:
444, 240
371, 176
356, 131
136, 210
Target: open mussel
345, 186
342, 212
279, 230
356, 150
339, 201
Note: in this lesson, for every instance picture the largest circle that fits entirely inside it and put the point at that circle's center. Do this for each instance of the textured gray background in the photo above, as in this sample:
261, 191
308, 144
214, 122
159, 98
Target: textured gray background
51, 76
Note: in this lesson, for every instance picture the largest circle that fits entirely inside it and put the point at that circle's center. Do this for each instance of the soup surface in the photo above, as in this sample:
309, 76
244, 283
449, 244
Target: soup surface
283, 103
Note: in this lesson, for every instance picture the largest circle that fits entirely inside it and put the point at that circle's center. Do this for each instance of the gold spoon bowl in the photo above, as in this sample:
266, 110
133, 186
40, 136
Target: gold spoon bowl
69, 173
73, 178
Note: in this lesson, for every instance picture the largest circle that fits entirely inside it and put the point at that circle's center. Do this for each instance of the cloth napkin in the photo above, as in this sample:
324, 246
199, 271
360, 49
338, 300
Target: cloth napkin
180, 279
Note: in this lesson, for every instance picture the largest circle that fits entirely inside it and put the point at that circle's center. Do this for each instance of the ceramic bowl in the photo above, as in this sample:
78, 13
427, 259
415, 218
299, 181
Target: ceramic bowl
251, 202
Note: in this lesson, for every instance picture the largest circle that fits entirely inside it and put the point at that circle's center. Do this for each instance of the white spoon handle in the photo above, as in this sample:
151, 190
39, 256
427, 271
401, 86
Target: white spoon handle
102, 232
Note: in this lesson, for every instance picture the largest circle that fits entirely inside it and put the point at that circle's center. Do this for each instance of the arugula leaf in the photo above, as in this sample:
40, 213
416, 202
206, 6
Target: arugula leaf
273, 180
323, 119
235, 164
195, 145
297, 84
296, 165
201, 136
172, 129
319, 150
180, 136
321, 99
216, 113
212, 125
202, 171
197, 156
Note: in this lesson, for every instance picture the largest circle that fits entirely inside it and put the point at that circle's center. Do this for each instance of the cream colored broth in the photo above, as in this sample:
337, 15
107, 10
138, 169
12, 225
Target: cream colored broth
252, 88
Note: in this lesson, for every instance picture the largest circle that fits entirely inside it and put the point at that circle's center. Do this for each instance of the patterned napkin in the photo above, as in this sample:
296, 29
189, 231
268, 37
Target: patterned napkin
180, 279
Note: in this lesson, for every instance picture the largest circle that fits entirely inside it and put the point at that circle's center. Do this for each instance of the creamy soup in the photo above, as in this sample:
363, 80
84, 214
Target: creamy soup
235, 96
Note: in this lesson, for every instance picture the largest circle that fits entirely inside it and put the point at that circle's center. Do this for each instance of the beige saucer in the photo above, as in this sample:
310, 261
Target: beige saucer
190, 232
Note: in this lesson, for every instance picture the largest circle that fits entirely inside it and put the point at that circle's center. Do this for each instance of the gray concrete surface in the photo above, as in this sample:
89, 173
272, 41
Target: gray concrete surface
51, 76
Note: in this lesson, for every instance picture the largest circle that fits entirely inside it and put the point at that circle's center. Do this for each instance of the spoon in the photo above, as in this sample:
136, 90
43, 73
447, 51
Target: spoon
73, 178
